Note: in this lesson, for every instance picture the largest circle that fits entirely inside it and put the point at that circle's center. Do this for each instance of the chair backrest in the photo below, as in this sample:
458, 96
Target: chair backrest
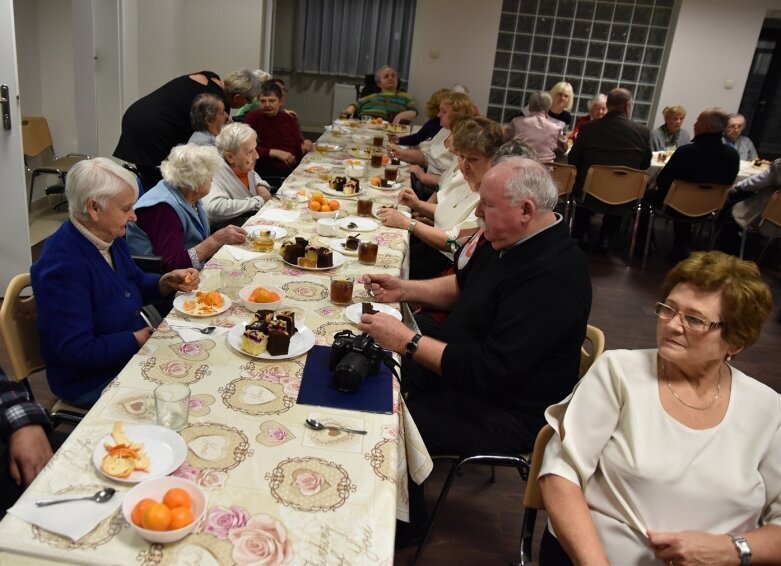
596, 338
563, 175
532, 496
614, 184
36, 136
696, 199
19, 329
772, 210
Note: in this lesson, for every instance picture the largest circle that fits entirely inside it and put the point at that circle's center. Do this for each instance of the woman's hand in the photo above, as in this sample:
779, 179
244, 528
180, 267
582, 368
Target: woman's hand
383, 288
416, 170
185, 280
408, 198
393, 218
687, 548
229, 235
390, 333
143, 334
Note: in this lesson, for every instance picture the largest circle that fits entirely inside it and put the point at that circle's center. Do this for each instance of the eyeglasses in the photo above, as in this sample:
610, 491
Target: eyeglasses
666, 312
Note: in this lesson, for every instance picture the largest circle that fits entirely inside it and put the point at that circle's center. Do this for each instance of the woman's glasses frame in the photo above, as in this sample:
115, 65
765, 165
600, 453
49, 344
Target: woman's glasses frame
690, 321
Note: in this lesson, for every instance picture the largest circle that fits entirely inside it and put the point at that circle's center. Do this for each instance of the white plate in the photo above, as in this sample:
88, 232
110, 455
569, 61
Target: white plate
338, 246
406, 213
164, 447
360, 153
301, 194
277, 232
338, 261
301, 342
318, 167
334, 193
361, 224
392, 187
353, 312
180, 299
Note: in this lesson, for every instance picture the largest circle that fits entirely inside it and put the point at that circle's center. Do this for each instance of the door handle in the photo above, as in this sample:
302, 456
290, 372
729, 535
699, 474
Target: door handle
5, 105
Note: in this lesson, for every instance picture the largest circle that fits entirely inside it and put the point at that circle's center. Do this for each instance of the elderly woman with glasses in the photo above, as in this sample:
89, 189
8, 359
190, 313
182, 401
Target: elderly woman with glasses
171, 219
88, 291
237, 190
672, 455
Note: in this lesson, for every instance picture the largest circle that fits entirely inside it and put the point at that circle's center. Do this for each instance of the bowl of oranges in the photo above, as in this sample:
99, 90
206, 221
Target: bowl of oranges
164, 510
261, 297
321, 207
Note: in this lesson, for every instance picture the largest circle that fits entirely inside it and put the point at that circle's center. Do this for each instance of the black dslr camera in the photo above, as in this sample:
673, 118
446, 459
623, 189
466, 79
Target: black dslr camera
352, 359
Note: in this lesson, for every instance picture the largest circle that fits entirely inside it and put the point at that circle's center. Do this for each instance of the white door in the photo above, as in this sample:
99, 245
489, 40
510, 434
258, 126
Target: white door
14, 229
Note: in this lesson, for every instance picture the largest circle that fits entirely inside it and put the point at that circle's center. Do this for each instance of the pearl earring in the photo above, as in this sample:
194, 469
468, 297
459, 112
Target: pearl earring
729, 357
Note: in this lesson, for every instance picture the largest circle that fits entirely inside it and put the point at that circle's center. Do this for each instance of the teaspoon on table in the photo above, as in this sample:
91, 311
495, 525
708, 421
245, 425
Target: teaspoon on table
100, 497
317, 425
205, 330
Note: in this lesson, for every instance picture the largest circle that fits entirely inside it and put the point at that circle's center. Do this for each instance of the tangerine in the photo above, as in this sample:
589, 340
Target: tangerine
156, 517
325, 207
180, 517
177, 497
334, 204
314, 205
385, 159
260, 295
318, 196
138, 510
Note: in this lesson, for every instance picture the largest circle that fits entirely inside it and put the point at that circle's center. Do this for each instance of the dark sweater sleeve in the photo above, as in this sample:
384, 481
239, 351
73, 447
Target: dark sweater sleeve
162, 225
426, 132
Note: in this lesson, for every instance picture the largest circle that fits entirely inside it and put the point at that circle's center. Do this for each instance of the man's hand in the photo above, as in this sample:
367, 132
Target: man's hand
390, 333
383, 288
284, 156
306, 146
28, 453
690, 548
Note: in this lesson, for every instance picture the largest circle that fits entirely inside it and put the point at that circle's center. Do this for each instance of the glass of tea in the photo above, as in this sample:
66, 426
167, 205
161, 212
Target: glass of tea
376, 157
263, 241
342, 289
391, 173
321, 147
377, 140
367, 253
364, 206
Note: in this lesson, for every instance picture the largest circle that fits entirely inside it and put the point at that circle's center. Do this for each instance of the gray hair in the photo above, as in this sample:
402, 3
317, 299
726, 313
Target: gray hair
379, 71
597, 99
539, 101
261, 75
514, 148
716, 119
243, 82
190, 166
204, 109
233, 136
530, 180
100, 179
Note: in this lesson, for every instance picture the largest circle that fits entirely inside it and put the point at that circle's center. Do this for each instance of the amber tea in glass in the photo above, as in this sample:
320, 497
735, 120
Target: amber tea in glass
364, 207
391, 173
376, 160
367, 253
341, 289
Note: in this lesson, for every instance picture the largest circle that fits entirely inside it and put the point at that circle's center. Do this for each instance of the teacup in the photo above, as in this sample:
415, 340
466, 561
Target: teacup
327, 227
355, 170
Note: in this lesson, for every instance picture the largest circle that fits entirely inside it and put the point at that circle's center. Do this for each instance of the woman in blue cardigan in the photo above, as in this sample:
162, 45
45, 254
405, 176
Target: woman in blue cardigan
88, 291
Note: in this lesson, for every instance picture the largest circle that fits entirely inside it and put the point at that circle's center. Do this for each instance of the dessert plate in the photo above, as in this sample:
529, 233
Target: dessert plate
164, 447
301, 342
406, 213
391, 187
338, 261
276, 232
357, 224
353, 312
318, 167
338, 246
181, 299
333, 192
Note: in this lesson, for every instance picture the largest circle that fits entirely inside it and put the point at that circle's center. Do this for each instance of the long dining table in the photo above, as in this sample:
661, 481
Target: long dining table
316, 497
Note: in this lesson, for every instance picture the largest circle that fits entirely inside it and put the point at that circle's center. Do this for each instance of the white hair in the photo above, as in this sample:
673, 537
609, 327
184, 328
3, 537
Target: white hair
529, 180
100, 179
597, 99
233, 136
190, 166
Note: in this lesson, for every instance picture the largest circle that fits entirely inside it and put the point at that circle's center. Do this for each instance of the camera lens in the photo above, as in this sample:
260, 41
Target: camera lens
350, 372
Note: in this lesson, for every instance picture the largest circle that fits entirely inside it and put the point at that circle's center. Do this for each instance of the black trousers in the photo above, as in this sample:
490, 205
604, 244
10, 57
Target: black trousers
425, 261
551, 551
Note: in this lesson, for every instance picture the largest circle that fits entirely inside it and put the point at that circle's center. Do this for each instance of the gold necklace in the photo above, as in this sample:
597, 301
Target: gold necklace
706, 407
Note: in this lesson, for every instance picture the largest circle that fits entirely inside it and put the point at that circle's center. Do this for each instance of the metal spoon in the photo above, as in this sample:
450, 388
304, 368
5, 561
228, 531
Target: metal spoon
317, 425
205, 330
100, 497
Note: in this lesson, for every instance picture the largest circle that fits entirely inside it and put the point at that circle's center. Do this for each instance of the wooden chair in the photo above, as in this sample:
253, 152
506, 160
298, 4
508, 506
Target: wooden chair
37, 139
771, 213
595, 339
689, 202
532, 496
19, 332
564, 176
615, 190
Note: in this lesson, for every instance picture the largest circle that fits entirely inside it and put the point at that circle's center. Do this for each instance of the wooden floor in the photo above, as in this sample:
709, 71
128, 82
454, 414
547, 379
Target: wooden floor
481, 521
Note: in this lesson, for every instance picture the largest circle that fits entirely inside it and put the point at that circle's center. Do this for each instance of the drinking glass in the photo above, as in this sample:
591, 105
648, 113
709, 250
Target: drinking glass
342, 289
391, 173
367, 253
364, 206
232, 280
172, 404
376, 157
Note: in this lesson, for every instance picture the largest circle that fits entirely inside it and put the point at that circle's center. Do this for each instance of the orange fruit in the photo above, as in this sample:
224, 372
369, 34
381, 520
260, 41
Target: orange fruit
318, 196
180, 517
273, 297
375, 181
260, 295
325, 208
314, 205
156, 517
177, 497
385, 159
334, 204
138, 510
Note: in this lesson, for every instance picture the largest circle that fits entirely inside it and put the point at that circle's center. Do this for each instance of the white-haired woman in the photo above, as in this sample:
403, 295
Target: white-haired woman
237, 190
88, 291
597, 108
172, 221
207, 118
536, 130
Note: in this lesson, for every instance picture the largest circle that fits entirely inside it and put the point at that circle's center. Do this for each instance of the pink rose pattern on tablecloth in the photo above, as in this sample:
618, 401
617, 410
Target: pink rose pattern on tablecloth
277, 434
220, 520
196, 404
187, 472
176, 368
207, 478
309, 482
189, 348
262, 541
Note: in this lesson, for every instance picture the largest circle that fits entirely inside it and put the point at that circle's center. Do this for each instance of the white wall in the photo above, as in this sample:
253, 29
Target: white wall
713, 42
454, 42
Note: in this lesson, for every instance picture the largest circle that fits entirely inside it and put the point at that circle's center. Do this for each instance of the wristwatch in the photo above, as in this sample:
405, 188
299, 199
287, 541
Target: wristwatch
744, 550
412, 347
411, 227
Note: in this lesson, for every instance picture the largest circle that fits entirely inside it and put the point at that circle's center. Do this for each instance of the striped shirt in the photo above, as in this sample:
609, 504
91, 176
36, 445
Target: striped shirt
385, 105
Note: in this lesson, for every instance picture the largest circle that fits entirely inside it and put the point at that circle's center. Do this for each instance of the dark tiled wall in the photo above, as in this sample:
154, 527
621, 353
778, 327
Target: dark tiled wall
596, 46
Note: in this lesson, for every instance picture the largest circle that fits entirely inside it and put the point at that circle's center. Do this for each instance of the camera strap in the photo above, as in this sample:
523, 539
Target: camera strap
391, 364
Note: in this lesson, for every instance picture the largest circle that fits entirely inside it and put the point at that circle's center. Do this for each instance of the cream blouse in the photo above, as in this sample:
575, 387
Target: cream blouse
456, 204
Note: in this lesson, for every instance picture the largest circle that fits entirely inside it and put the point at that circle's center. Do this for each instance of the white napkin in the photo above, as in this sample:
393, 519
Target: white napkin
240, 254
279, 215
188, 332
59, 519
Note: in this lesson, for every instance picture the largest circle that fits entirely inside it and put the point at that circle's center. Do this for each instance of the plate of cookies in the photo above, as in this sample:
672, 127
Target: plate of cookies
134, 453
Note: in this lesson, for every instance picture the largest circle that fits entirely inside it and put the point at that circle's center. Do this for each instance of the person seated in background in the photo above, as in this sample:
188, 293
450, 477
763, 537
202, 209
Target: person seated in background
281, 145
157, 122
636, 472
434, 155
489, 373
171, 218
537, 130
24, 446
733, 136
429, 129
562, 99
597, 108
237, 190
390, 104
452, 208
705, 160
670, 135
207, 118
88, 290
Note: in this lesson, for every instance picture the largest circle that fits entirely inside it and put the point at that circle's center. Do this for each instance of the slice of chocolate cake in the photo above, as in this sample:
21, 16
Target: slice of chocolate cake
292, 250
368, 308
325, 257
351, 243
278, 338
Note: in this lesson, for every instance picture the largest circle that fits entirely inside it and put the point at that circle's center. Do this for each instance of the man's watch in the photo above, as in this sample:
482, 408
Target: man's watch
744, 550
412, 347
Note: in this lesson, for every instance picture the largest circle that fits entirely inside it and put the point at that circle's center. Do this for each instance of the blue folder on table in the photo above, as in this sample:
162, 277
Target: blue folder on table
374, 395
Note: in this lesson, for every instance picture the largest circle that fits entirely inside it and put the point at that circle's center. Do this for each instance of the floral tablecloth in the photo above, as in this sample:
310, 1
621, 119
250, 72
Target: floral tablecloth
277, 492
